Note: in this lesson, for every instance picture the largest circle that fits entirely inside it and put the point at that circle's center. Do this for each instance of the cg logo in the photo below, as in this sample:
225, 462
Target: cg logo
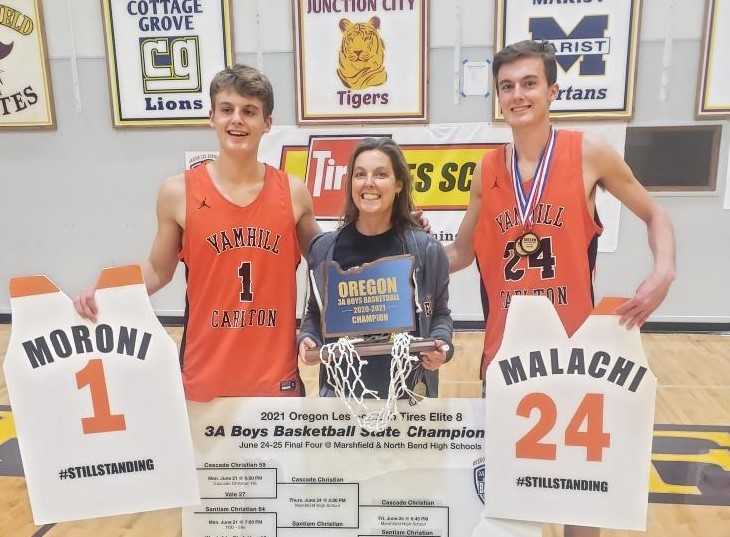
170, 64
587, 41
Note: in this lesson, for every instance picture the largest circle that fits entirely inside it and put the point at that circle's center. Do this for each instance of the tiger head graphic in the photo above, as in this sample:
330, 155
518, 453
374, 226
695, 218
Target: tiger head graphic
362, 54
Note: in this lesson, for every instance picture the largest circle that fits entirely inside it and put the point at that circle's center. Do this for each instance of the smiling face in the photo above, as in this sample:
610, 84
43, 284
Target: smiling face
374, 186
524, 93
239, 122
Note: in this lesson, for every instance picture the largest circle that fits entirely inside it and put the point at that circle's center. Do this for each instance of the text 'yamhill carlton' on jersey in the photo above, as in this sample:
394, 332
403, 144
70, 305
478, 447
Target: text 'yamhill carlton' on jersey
240, 323
562, 267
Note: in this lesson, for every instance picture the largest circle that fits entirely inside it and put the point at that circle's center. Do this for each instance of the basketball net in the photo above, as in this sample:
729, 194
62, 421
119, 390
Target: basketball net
344, 374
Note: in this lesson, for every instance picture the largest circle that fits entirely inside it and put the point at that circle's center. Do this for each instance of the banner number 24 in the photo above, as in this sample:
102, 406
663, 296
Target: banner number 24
590, 411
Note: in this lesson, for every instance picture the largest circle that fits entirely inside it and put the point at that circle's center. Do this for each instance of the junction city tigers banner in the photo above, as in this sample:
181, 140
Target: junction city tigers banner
442, 159
359, 62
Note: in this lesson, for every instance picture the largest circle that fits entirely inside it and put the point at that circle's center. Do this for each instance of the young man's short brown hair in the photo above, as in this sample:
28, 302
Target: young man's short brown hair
247, 82
527, 49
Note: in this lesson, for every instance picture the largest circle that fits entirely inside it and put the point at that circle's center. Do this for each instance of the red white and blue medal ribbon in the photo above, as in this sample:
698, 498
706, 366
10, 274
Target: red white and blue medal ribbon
526, 205
529, 243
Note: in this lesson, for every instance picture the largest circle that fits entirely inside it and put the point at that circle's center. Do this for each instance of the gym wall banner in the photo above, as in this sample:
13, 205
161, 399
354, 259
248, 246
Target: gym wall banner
363, 61
26, 97
161, 57
595, 45
713, 97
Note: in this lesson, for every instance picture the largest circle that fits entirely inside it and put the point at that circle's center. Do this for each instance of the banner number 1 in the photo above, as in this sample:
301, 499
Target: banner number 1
103, 421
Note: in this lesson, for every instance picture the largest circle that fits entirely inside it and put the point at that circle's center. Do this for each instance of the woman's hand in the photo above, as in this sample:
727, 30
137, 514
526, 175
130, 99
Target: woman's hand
434, 359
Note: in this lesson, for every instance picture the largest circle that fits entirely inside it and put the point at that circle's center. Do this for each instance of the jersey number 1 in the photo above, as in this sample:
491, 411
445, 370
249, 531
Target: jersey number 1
244, 272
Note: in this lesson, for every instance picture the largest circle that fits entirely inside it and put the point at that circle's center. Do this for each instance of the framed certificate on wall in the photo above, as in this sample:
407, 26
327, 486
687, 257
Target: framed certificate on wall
713, 97
595, 48
161, 58
26, 96
363, 65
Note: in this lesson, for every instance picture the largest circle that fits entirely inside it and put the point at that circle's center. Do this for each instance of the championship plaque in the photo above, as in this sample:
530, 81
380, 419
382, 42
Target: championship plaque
377, 298
371, 309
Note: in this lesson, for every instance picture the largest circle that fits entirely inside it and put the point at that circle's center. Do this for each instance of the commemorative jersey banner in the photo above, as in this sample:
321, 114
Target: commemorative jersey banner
714, 91
99, 408
301, 467
569, 420
26, 98
595, 48
161, 58
361, 61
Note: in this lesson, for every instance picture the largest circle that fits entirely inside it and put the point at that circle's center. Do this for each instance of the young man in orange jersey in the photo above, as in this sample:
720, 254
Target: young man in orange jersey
239, 226
546, 241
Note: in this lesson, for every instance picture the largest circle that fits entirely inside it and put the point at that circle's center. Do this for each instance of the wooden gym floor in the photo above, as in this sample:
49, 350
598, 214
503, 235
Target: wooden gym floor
693, 374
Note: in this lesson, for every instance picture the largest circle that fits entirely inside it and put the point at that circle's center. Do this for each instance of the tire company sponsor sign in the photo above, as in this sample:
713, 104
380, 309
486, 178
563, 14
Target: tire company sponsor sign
442, 173
361, 60
570, 420
26, 98
595, 47
162, 57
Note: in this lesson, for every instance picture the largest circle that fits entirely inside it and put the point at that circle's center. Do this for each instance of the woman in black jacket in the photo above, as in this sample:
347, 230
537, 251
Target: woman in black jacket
378, 223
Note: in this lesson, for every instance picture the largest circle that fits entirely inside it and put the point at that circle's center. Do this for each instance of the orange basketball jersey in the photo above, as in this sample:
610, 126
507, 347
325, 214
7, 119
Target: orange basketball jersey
562, 267
240, 322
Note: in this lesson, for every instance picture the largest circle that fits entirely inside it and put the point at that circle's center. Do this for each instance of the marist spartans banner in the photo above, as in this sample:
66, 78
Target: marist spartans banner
595, 47
442, 158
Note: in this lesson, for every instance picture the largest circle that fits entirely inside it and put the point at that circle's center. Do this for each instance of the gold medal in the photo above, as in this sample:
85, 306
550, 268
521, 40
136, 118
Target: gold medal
529, 242
519, 249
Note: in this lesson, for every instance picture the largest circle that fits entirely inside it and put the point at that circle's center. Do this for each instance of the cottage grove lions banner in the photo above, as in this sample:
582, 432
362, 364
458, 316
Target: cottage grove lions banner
26, 98
361, 60
595, 44
162, 57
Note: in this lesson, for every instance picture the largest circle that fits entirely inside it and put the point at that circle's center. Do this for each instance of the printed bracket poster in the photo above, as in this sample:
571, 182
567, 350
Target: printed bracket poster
161, 58
361, 61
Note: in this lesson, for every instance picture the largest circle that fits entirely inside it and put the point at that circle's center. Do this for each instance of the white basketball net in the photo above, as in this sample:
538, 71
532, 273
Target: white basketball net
344, 374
